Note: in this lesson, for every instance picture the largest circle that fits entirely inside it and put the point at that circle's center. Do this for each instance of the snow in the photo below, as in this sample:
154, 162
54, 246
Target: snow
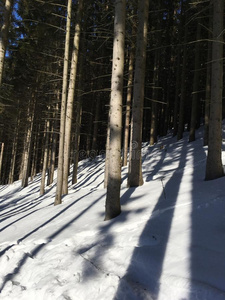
167, 244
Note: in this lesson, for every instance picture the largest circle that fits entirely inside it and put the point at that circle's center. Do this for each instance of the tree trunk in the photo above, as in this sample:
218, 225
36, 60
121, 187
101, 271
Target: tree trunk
70, 98
54, 143
128, 106
58, 195
154, 114
208, 87
135, 166
4, 34
14, 151
1, 158
27, 148
214, 168
183, 89
195, 94
112, 208
45, 160
95, 130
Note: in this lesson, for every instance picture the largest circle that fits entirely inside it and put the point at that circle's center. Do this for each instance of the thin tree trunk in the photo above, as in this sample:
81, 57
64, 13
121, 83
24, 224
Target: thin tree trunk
112, 208
95, 130
26, 156
214, 168
70, 98
135, 165
35, 152
45, 160
14, 151
208, 88
183, 90
1, 157
154, 114
4, 34
106, 174
58, 195
77, 139
195, 94
54, 143
128, 106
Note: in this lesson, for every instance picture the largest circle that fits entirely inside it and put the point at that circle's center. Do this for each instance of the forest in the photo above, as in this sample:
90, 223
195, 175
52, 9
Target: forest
80, 79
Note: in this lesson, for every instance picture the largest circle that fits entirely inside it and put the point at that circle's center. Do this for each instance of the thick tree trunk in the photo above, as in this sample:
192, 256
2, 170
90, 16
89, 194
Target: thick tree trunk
58, 195
195, 94
135, 165
4, 34
112, 208
214, 168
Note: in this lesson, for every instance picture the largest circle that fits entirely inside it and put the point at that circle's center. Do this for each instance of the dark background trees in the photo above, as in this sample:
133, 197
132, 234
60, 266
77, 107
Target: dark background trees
177, 76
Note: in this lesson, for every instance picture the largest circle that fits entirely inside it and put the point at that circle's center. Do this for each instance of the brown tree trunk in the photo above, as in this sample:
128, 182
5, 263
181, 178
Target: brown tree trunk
195, 94
128, 106
58, 195
135, 165
70, 98
4, 34
214, 167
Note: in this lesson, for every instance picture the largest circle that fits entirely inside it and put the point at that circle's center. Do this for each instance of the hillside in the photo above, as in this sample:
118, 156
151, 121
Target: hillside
167, 244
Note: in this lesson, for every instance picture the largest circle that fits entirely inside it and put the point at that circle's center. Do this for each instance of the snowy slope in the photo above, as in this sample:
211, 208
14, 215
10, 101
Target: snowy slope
167, 244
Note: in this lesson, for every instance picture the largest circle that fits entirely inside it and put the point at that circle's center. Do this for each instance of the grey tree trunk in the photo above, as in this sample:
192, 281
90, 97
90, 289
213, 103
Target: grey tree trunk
45, 160
112, 208
58, 195
14, 151
135, 165
54, 143
4, 34
128, 106
70, 98
27, 148
214, 168
195, 94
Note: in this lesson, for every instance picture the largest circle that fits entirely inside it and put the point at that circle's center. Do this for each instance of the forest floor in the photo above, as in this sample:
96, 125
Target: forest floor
167, 244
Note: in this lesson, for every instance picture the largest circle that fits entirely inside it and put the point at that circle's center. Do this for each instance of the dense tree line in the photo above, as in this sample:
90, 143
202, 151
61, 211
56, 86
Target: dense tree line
82, 78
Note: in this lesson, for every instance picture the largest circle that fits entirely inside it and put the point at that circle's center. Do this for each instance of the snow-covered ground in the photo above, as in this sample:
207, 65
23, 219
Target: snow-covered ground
167, 244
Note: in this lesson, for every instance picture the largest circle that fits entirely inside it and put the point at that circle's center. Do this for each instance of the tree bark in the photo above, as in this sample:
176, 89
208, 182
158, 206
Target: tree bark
70, 98
113, 208
183, 89
58, 195
195, 94
128, 106
214, 168
135, 165
45, 160
4, 34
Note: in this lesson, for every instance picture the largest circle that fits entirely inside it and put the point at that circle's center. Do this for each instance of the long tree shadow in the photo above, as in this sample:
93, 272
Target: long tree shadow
147, 259
207, 245
40, 247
